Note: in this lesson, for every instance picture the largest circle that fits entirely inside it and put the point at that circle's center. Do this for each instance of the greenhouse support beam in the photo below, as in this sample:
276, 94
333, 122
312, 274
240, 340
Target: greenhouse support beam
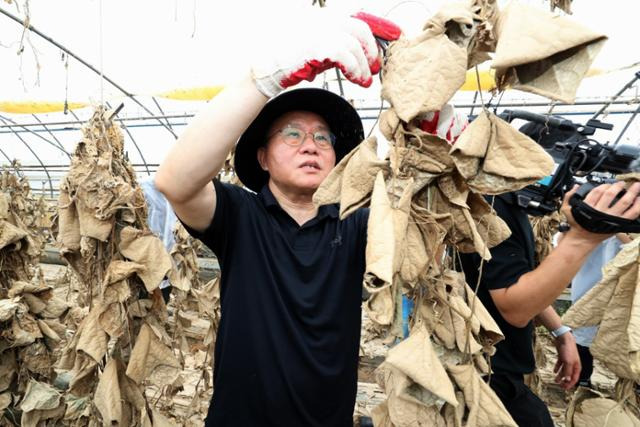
459, 106
82, 61
630, 83
174, 124
524, 104
37, 158
144, 161
155, 101
13, 123
117, 119
35, 116
5, 156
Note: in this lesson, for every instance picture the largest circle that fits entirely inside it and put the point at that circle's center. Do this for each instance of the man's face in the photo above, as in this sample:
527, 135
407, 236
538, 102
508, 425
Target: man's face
301, 168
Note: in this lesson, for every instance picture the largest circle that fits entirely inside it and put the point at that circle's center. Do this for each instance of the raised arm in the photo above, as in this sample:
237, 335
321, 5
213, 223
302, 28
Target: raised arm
185, 176
538, 289
298, 49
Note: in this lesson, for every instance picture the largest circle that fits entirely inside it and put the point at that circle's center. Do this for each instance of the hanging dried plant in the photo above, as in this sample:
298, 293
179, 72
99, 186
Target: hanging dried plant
30, 327
122, 344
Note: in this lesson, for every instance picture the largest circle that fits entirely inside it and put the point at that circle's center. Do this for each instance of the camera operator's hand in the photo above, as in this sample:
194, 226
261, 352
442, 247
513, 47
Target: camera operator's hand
568, 366
314, 41
602, 198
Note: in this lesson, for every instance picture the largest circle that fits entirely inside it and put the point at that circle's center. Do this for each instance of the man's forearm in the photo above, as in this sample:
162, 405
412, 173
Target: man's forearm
549, 319
200, 152
538, 289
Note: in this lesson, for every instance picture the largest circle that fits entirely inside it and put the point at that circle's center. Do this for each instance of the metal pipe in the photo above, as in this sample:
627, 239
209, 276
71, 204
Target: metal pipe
75, 116
472, 105
626, 126
117, 119
6, 119
362, 117
71, 122
37, 158
6, 157
35, 116
636, 76
126, 129
82, 61
155, 101
340, 83
626, 101
580, 113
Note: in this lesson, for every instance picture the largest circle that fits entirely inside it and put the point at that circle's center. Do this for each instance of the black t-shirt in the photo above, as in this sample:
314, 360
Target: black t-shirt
287, 346
510, 260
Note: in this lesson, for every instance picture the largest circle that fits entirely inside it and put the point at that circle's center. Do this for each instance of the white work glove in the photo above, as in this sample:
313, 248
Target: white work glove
447, 123
314, 41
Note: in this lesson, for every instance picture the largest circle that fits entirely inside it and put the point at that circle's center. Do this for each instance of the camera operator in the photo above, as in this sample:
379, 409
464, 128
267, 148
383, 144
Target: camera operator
515, 292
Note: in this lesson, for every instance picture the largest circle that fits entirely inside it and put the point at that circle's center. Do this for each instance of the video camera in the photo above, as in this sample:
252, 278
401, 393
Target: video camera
580, 159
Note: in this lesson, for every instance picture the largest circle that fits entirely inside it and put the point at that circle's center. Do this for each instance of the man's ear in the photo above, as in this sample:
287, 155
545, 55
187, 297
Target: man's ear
262, 158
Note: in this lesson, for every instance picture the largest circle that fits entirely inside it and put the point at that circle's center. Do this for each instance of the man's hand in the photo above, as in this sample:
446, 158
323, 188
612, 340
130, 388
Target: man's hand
316, 40
601, 198
567, 368
624, 238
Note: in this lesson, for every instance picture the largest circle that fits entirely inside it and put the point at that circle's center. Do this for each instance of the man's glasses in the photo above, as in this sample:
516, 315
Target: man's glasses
294, 137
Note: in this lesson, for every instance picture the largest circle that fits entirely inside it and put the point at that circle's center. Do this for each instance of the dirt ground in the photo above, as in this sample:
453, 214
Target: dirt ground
187, 405
188, 409
372, 354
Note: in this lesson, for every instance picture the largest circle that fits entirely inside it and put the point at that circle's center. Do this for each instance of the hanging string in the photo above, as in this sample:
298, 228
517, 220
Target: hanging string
65, 57
473, 103
194, 16
100, 50
484, 107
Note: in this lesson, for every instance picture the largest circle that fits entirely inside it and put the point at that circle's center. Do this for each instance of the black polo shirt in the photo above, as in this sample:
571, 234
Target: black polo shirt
287, 346
510, 260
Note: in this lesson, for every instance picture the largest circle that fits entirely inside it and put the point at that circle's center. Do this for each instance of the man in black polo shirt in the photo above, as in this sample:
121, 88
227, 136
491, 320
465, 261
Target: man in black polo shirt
515, 291
287, 346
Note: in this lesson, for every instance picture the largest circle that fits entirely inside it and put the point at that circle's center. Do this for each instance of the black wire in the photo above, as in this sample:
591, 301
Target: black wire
563, 169
602, 158
583, 157
568, 167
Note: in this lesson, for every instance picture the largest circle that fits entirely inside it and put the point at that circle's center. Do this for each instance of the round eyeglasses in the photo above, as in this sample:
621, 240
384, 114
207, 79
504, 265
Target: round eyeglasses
294, 137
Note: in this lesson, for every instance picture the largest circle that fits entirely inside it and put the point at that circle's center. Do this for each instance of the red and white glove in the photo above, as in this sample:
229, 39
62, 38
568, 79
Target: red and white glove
447, 123
316, 41
380, 27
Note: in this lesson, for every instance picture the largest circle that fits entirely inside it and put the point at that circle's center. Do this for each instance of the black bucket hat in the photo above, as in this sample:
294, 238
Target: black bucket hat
342, 118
